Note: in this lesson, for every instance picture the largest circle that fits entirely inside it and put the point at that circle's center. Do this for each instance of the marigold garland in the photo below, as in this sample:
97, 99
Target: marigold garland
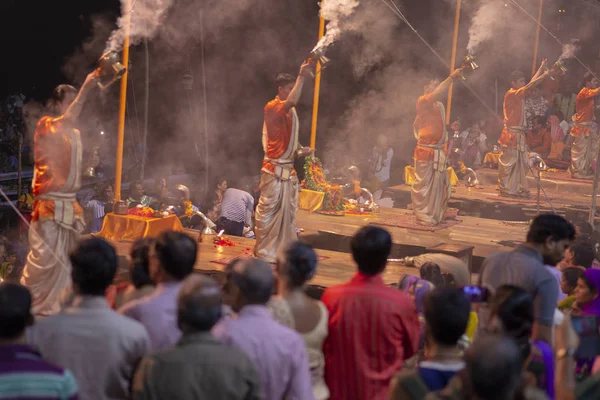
314, 179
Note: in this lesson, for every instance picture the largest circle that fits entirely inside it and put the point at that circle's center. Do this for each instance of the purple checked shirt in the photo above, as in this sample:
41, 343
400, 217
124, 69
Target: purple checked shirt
158, 313
277, 352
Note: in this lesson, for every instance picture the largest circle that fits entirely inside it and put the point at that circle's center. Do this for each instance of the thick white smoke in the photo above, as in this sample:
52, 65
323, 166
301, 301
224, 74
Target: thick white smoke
486, 21
146, 17
569, 50
335, 11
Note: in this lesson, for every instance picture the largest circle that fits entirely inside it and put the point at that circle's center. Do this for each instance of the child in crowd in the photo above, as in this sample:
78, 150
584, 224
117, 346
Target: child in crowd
568, 283
580, 255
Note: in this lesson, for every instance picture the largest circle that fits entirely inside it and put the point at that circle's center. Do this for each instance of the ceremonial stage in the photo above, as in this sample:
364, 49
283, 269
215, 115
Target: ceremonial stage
570, 197
331, 235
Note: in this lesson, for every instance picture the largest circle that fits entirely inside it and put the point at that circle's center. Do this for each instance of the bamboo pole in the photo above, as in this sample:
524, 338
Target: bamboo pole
315, 113
536, 44
123, 103
453, 59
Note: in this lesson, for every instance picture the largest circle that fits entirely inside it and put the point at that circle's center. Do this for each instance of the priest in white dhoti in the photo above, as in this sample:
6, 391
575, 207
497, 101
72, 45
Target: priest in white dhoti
278, 203
513, 163
431, 190
582, 150
57, 218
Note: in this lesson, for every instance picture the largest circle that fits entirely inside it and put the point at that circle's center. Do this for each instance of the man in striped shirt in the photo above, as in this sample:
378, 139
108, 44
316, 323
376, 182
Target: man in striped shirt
23, 372
373, 328
236, 212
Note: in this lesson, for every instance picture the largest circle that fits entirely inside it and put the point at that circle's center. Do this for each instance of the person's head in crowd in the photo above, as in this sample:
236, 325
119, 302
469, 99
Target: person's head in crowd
161, 188
587, 292
455, 125
249, 282
494, 368
416, 288
431, 272
539, 122
371, 247
580, 254
136, 190
512, 315
583, 228
568, 281
94, 266
446, 313
199, 304
296, 265
550, 234
15, 312
172, 258
221, 185
139, 270
560, 115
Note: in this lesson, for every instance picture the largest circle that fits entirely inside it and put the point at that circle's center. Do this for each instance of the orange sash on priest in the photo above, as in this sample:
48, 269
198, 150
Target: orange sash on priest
280, 139
514, 119
57, 174
584, 115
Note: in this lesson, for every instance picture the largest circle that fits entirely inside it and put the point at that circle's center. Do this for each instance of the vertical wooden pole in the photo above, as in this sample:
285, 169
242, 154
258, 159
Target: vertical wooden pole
453, 59
315, 113
123, 102
536, 44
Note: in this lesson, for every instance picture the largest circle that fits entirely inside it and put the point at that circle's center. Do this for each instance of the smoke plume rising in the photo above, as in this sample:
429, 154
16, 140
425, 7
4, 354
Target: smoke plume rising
146, 17
335, 11
569, 50
485, 23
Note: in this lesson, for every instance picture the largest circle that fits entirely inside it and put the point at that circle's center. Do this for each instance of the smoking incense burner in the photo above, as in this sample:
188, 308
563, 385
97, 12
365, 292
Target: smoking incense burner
318, 56
468, 64
110, 69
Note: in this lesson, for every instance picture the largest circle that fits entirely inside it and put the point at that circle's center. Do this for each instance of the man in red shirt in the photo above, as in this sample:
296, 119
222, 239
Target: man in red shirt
278, 203
581, 151
513, 163
373, 328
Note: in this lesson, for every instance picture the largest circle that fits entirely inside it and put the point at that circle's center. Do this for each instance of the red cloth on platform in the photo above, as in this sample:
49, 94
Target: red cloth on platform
373, 328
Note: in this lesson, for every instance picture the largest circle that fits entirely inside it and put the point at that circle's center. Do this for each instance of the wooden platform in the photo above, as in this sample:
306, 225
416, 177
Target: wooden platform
337, 268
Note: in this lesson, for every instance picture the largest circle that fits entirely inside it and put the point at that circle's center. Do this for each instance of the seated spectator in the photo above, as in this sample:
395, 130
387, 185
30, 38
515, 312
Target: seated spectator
294, 309
96, 207
278, 352
220, 189
558, 136
24, 374
137, 195
139, 274
538, 139
237, 208
171, 260
101, 347
568, 283
512, 315
580, 254
548, 237
355, 365
473, 145
199, 367
492, 371
587, 302
447, 314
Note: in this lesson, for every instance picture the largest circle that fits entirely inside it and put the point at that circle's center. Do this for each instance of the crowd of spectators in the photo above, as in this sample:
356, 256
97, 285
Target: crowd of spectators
171, 333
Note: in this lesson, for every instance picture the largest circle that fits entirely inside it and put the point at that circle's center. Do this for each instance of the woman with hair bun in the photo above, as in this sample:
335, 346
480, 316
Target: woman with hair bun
295, 309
